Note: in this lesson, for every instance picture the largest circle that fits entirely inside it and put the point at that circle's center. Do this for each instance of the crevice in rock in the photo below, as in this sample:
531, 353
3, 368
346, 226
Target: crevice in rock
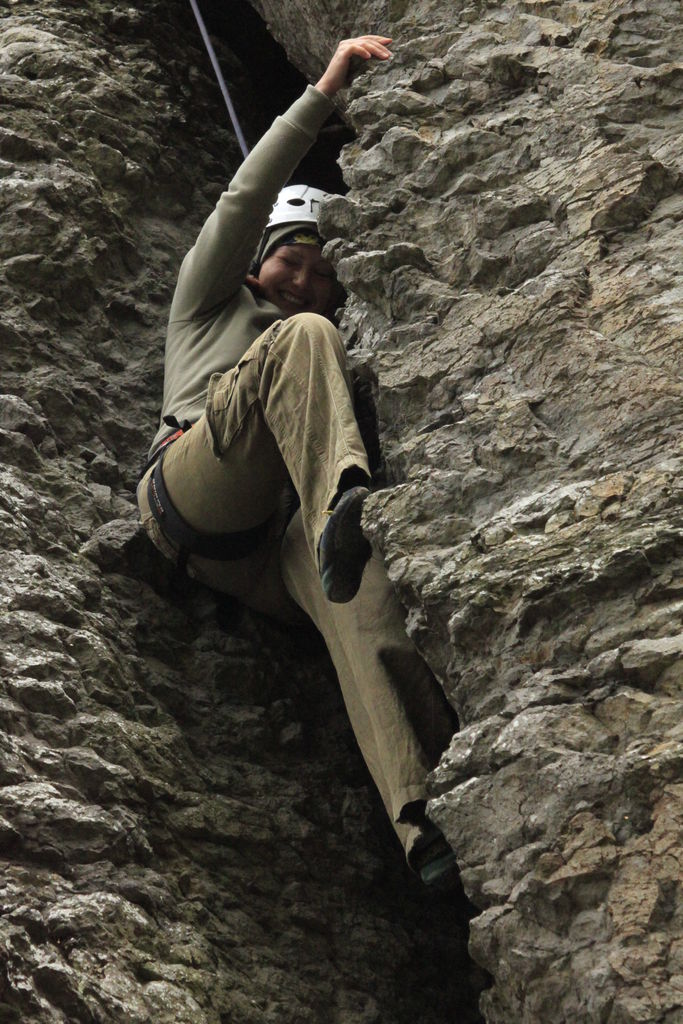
274, 84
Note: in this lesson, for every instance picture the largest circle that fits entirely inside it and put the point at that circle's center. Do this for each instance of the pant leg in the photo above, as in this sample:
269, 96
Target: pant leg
306, 396
397, 710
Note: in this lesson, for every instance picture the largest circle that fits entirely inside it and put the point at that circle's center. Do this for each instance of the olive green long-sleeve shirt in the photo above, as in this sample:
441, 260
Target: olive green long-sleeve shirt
214, 317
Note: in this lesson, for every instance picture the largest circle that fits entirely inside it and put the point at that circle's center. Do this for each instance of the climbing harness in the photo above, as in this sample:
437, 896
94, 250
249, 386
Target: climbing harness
221, 81
180, 429
220, 547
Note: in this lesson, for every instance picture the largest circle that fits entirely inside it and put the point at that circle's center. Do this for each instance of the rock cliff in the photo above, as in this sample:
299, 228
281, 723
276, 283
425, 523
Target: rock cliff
186, 829
512, 246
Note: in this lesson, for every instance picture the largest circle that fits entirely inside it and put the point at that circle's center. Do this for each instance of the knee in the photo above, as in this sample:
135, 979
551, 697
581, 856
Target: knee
311, 330
312, 324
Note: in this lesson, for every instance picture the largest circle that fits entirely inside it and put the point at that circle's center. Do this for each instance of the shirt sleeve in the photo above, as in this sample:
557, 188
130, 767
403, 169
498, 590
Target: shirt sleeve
218, 262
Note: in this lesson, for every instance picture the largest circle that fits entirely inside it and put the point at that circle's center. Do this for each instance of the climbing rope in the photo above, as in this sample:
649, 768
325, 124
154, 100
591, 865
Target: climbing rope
221, 80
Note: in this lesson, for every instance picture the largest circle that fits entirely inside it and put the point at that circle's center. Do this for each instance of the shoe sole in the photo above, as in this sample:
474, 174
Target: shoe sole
344, 551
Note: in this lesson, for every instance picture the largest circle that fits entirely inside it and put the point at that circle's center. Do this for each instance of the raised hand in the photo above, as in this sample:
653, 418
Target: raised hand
336, 76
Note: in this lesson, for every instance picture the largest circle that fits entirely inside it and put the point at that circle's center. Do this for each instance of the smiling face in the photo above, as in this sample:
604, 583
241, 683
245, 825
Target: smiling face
297, 279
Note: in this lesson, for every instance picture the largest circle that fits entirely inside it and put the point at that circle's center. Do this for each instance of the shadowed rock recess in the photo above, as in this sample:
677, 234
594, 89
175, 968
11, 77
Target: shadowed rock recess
187, 833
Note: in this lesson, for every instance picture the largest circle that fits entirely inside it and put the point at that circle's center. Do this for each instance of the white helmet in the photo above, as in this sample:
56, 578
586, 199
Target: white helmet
296, 204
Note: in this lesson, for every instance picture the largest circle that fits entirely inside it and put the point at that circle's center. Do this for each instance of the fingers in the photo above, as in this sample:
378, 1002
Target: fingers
375, 39
366, 46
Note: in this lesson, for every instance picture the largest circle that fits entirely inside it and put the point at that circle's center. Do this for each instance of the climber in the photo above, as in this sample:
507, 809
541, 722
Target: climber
257, 418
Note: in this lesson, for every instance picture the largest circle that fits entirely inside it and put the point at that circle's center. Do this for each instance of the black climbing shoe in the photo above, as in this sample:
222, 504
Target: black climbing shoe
433, 859
442, 871
343, 550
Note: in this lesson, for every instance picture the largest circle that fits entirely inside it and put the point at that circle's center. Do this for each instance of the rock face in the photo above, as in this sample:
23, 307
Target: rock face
187, 833
512, 243
186, 830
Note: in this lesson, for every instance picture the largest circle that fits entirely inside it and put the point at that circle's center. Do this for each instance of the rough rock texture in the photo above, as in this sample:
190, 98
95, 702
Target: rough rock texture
187, 833
512, 244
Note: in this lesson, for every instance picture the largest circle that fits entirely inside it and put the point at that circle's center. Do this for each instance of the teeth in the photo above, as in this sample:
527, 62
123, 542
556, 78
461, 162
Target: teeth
288, 297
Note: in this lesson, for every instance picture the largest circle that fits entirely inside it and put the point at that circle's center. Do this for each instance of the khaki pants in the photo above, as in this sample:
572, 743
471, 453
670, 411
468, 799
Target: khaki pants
285, 412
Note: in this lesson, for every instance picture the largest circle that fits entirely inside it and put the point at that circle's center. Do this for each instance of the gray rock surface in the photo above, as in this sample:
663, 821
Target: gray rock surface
187, 833
512, 243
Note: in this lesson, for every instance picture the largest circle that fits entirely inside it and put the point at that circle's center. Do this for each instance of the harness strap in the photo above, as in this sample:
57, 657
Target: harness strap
170, 421
222, 547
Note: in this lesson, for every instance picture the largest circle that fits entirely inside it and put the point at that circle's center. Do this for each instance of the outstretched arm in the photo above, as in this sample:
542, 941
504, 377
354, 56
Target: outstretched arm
217, 264
336, 76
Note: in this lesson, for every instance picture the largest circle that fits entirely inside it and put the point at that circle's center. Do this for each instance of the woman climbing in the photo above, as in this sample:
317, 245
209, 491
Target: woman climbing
257, 370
